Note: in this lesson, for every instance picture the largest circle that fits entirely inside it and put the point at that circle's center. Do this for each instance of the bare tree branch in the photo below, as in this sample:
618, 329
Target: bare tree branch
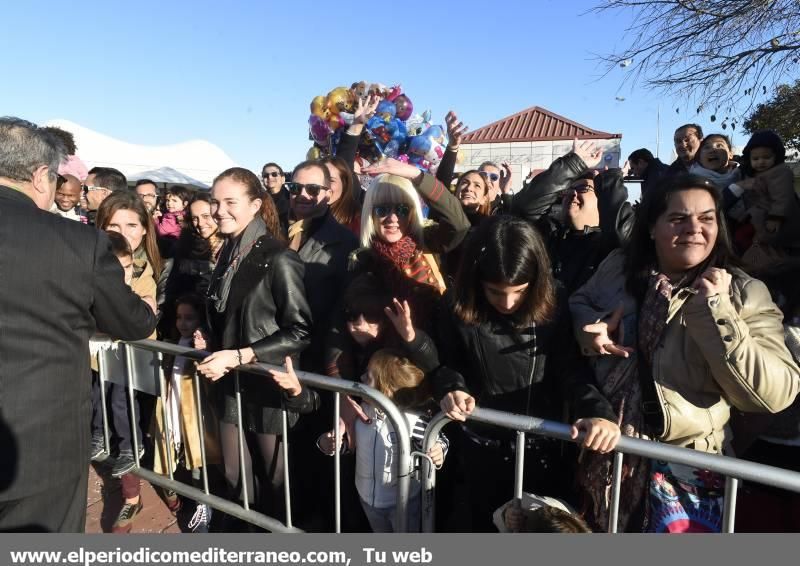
713, 52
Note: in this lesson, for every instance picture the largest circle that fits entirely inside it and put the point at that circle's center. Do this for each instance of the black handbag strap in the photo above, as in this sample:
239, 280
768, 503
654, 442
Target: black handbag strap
651, 406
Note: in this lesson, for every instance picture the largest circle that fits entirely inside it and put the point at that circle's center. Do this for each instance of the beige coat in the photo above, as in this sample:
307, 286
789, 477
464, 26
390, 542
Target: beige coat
145, 286
715, 353
190, 433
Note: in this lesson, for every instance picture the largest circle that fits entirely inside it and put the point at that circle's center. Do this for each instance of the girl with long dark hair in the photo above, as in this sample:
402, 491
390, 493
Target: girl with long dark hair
505, 344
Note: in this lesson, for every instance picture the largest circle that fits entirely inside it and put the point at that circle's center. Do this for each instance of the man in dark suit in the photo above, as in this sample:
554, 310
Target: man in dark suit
59, 283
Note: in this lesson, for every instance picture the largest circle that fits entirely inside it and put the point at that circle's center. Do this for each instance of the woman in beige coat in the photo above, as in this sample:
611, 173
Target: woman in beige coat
682, 335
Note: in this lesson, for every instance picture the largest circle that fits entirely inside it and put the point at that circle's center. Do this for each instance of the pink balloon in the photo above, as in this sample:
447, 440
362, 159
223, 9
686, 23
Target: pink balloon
320, 132
404, 107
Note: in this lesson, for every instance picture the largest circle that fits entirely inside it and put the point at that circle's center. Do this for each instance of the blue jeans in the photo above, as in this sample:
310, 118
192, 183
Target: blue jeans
382, 519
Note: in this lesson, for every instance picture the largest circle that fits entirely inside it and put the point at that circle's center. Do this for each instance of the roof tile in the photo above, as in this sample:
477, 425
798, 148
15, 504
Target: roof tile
534, 124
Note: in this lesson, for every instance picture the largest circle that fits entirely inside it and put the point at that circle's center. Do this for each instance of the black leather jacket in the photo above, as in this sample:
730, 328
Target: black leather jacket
576, 254
529, 371
266, 310
544, 191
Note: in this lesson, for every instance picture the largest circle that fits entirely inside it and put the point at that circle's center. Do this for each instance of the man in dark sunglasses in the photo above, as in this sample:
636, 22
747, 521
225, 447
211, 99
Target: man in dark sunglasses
325, 246
273, 178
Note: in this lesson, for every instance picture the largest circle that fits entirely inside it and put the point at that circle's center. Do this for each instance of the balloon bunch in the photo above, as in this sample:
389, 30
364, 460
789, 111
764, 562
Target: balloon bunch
393, 131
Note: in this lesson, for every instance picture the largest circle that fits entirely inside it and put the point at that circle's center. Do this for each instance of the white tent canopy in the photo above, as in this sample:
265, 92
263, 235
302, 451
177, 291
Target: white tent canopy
194, 162
167, 175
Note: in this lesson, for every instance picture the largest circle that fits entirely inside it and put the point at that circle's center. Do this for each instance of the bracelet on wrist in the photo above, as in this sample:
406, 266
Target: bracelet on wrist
239, 356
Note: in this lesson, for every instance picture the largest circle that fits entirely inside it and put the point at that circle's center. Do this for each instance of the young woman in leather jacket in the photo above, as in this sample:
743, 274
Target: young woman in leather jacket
505, 344
257, 312
683, 336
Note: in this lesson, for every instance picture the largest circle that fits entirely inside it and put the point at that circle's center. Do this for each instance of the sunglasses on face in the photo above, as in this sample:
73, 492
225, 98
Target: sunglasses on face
384, 210
491, 176
272, 174
87, 188
311, 189
582, 190
371, 317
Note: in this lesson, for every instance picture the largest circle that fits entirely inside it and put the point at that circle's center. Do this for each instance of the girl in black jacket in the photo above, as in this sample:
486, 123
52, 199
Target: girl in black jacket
257, 312
506, 344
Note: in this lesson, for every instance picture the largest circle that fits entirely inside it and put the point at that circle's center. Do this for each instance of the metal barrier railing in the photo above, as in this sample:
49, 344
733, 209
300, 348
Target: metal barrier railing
734, 469
149, 377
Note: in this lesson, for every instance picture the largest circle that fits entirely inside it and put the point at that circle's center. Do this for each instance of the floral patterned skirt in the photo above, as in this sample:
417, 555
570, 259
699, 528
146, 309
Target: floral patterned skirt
684, 500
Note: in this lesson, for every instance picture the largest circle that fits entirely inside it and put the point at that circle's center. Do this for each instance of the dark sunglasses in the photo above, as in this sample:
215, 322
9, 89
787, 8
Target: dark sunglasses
384, 210
352, 315
311, 189
272, 174
491, 176
582, 190
87, 188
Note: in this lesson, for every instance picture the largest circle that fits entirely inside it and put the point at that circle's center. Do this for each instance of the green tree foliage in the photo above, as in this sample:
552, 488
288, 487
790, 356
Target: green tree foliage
781, 113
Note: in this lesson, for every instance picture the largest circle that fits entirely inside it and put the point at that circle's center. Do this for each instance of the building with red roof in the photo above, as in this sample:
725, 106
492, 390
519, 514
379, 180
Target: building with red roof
530, 141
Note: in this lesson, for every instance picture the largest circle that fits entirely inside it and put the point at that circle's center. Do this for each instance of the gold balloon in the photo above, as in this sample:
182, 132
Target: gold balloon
313, 153
341, 99
318, 106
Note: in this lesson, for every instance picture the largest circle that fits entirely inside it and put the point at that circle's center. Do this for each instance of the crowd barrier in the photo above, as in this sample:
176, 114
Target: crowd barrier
734, 469
137, 366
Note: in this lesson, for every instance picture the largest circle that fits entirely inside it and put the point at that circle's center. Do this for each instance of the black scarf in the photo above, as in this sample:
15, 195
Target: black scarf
233, 254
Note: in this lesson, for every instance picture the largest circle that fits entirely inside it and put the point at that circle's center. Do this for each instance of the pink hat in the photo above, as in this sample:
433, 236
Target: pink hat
73, 166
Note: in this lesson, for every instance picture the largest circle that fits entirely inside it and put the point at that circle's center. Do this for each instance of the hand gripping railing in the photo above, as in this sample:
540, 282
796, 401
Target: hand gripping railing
338, 386
735, 469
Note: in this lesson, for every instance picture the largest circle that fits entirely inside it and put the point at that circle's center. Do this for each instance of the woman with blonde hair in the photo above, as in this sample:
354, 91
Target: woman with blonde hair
397, 242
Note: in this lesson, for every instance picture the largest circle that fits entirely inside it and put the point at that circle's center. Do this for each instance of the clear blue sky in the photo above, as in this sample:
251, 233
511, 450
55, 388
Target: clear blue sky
242, 74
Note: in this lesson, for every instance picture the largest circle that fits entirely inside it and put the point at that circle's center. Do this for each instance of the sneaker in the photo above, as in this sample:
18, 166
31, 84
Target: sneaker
127, 514
123, 464
97, 452
201, 519
173, 501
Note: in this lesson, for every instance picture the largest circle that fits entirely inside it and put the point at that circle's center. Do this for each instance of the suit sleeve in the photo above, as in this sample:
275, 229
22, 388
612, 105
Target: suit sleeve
292, 313
117, 310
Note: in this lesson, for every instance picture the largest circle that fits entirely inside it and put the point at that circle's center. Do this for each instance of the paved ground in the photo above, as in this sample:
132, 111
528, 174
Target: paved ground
104, 501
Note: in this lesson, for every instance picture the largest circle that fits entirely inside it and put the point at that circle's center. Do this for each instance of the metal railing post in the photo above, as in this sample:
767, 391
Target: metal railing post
287, 488
240, 437
102, 370
519, 466
428, 480
337, 463
616, 487
132, 401
729, 505
201, 430
166, 436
